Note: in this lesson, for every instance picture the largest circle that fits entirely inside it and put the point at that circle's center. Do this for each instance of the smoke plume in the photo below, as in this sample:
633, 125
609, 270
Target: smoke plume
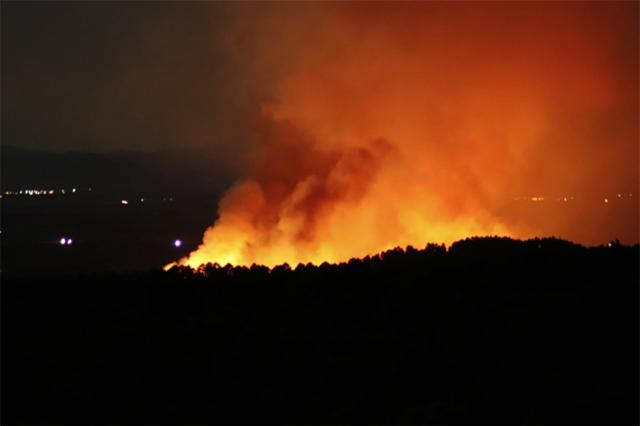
393, 124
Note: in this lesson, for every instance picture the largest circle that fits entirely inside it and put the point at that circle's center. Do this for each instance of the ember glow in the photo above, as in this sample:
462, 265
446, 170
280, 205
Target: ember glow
395, 124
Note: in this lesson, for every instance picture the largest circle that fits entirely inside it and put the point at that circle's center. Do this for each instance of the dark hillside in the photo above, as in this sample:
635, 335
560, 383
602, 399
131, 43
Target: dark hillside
490, 331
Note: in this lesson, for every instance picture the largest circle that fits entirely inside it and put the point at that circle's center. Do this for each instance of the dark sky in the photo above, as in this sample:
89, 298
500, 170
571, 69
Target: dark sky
119, 75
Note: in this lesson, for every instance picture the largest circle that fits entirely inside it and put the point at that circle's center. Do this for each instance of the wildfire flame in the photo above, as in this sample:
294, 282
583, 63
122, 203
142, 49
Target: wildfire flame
394, 125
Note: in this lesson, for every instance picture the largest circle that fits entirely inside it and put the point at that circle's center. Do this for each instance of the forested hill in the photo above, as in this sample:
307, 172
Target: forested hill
489, 331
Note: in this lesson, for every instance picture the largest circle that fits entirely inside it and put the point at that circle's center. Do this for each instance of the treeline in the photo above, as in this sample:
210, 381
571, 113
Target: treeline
490, 330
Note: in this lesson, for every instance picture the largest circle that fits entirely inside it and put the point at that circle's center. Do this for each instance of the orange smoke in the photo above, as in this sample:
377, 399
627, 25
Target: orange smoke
394, 124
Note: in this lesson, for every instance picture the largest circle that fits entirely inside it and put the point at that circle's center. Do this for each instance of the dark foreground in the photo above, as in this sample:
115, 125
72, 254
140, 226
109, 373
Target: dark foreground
491, 331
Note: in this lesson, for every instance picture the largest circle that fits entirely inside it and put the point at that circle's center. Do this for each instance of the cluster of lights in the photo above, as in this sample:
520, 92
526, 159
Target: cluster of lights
142, 200
606, 199
32, 192
63, 191
567, 198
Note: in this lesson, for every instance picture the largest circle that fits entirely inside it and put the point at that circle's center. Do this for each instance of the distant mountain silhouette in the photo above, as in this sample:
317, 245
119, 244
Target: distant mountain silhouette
116, 171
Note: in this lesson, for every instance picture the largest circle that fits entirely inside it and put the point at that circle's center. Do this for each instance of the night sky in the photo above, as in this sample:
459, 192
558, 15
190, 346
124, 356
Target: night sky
100, 76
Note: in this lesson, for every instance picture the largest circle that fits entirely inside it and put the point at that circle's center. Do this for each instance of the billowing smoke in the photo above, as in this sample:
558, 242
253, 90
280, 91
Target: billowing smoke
389, 124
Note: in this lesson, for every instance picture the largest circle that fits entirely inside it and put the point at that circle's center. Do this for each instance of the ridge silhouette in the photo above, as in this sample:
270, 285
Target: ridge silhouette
490, 330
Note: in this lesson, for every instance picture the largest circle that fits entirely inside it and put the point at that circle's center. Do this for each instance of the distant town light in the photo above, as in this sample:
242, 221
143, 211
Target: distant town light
73, 190
124, 202
63, 241
69, 241
177, 243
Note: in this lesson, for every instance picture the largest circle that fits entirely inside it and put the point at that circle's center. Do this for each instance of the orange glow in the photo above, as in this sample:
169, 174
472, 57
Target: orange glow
401, 124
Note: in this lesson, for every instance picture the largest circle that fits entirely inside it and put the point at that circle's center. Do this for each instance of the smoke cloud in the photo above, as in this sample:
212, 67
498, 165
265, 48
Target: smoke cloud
389, 124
